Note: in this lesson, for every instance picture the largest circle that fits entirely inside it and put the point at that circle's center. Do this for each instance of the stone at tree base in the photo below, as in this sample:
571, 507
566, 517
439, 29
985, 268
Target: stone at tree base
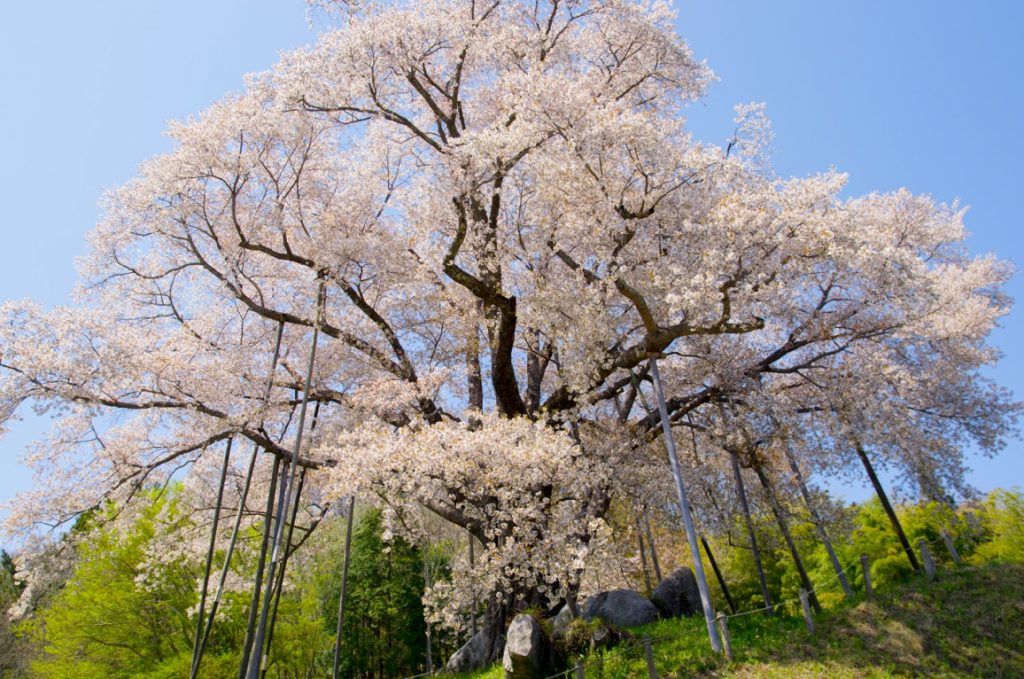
619, 607
471, 656
527, 651
677, 594
561, 621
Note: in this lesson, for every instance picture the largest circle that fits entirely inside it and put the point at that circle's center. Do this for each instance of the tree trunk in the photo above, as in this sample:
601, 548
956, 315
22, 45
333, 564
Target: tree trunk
784, 527
890, 512
750, 531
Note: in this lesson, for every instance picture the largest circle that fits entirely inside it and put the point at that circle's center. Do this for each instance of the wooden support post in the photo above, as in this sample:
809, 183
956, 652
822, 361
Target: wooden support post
951, 547
819, 525
654, 550
866, 567
718, 574
643, 557
750, 530
926, 558
723, 629
805, 604
579, 670
652, 671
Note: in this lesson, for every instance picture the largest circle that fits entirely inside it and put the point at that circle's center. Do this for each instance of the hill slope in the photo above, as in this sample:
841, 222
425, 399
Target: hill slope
970, 622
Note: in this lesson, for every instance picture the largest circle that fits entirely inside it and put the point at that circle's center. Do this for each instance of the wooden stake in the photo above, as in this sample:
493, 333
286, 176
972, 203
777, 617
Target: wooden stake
866, 567
723, 628
951, 547
806, 606
926, 557
652, 671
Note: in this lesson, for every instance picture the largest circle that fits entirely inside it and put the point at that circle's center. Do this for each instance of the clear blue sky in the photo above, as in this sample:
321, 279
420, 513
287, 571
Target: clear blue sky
923, 94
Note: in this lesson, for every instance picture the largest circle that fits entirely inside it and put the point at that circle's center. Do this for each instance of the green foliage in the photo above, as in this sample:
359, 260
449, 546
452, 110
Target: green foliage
104, 623
385, 632
1002, 526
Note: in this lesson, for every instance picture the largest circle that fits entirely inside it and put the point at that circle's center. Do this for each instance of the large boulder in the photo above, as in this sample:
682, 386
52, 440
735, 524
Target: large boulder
527, 651
677, 594
473, 655
619, 607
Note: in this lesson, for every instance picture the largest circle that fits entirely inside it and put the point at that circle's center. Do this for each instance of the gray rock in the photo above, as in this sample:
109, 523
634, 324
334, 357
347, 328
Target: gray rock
561, 622
527, 651
677, 594
619, 607
473, 655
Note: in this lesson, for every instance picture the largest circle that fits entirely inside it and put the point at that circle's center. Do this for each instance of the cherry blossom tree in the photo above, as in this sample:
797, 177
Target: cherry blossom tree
508, 218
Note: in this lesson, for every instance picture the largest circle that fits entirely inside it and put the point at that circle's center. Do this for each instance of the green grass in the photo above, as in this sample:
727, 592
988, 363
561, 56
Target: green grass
970, 622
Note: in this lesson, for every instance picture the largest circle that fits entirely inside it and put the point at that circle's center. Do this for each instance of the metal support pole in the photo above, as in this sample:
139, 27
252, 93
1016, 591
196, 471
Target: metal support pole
257, 659
819, 525
279, 587
684, 506
243, 497
344, 587
201, 615
475, 604
250, 628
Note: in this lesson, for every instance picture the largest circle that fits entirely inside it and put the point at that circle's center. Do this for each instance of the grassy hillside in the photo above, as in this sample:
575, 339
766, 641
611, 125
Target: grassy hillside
970, 622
